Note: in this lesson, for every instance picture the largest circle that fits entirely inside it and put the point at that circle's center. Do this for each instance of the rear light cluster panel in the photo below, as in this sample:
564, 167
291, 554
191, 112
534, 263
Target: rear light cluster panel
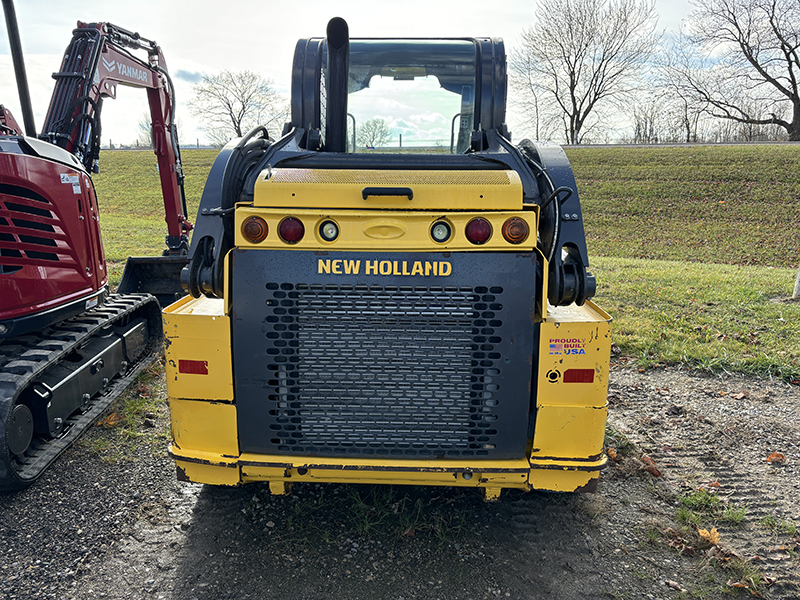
453, 231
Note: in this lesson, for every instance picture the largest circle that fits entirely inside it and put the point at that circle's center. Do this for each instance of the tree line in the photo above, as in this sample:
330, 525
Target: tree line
595, 71
730, 74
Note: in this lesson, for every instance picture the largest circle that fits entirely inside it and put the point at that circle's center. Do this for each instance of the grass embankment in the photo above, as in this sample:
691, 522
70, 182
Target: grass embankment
132, 207
695, 248
722, 223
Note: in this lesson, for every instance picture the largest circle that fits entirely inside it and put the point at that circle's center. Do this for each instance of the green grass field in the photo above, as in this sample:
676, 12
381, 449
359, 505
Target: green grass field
737, 205
695, 248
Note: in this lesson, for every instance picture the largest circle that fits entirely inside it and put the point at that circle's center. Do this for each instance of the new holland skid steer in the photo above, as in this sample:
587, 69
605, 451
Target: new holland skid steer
413, 316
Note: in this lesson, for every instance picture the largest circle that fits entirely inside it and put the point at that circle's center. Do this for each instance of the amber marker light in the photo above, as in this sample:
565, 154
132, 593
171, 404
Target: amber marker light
291, 230
255, 229
515, 230
479, 231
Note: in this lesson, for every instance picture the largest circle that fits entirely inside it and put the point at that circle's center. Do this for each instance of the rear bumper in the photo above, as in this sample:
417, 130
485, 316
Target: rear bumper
281, 471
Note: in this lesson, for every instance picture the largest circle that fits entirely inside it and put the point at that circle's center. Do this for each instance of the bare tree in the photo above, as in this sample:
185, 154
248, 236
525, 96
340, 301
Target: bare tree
585, 53
686, 114
741, 58
230, 104
531, 98
648, 116
685, 109
144, 129
373, 133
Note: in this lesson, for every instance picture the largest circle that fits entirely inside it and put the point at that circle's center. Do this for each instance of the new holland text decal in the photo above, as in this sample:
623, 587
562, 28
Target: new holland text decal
567, 346
384, 267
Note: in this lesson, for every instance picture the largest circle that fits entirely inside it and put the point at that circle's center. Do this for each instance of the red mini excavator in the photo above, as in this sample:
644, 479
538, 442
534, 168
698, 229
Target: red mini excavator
68, 347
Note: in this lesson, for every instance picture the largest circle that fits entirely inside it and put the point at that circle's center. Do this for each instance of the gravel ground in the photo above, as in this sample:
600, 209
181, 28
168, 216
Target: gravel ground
109, 520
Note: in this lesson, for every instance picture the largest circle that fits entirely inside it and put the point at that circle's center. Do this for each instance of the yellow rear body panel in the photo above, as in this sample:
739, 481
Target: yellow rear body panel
566, 451
432, 190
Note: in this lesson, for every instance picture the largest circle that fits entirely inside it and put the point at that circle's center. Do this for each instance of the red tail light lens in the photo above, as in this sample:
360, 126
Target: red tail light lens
255, 229
479, 231
515, 230
291, 230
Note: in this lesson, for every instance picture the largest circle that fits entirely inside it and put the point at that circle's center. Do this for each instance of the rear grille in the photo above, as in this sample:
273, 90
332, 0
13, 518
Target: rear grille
382, 370
371, 365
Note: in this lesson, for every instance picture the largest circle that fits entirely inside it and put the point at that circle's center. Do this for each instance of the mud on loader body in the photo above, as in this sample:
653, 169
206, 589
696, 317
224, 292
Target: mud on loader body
408, 316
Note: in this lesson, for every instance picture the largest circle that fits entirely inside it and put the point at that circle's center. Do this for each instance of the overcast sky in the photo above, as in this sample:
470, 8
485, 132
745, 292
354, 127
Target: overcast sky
201, 36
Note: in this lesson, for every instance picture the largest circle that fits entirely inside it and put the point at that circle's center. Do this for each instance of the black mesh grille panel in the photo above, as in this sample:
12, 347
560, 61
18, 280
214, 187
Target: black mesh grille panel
382, 370
366, 369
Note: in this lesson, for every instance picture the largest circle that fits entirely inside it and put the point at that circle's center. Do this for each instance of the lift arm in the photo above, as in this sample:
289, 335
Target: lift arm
96, 61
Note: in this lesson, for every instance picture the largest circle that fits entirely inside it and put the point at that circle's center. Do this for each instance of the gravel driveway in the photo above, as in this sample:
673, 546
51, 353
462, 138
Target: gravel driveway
111, 523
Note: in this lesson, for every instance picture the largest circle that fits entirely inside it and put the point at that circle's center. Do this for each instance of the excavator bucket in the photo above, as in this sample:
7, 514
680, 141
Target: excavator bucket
156, 275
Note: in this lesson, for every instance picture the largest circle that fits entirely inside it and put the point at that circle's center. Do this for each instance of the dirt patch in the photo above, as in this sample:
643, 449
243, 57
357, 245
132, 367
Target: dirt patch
105, 525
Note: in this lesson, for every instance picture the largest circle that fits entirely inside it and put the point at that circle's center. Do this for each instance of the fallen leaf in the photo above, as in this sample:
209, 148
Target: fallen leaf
714, 484
651, 465
723, 554
740, 395
655, 472
712, 537
776, 457
647, 460
612, 454
111, 420
779, 557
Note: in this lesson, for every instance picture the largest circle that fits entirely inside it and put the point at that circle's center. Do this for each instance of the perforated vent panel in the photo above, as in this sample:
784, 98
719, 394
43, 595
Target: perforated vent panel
356, 369
376, 177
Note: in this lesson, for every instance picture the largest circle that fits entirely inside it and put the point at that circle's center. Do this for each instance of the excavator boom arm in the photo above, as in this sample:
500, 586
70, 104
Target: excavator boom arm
96, 61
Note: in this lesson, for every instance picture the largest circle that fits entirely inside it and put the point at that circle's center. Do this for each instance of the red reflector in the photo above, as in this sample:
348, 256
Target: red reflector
579, 376
193, 367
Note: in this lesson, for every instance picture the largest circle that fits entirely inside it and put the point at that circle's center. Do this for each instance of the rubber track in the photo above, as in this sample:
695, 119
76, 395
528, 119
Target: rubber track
23, 359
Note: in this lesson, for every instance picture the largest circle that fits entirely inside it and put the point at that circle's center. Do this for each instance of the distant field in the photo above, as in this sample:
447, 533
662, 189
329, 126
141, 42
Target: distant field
695, 249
